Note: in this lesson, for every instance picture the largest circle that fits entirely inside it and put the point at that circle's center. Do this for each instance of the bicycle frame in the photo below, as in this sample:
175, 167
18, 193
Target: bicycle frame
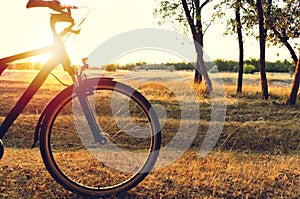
30, 91
59, 56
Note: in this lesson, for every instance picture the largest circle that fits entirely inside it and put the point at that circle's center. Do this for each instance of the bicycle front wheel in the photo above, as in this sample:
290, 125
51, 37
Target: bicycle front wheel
86, 167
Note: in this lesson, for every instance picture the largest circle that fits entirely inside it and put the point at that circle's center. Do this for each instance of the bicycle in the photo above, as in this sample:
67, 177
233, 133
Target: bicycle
97, 136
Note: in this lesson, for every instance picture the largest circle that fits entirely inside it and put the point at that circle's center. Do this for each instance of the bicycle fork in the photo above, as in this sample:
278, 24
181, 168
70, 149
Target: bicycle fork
82, 92
1, 149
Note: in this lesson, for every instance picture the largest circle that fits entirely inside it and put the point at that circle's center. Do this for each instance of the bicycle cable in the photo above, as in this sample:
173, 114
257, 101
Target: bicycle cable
66, 38
61, 82
80, 23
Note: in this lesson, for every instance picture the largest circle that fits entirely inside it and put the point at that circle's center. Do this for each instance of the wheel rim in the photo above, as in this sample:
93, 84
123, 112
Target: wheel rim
111, 170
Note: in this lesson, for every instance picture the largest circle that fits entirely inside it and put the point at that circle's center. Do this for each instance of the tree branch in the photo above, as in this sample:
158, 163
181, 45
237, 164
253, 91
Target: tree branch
189, 18
205, 3
207, 26
284, 40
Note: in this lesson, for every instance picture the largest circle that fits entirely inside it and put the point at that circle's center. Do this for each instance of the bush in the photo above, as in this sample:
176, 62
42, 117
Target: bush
249, 69
292, 69
253, 62
171, 68
214, 70
111, 67
225, 65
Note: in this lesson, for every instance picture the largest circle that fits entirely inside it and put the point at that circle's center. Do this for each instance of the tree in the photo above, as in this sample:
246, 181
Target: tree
285, 25
295, 85
189, 14
241, 46
281, 22
262, 46
284, 21
255, 14
234, 26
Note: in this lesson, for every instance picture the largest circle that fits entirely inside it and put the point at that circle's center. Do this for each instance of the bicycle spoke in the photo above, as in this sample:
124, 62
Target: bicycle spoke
95, 169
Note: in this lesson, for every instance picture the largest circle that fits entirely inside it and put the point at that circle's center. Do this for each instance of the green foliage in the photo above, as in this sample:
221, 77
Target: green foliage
179, 66
292, 69
284, 19
171, 12
184, 66
220, 64
249, 69
111, 67
130, 67
281, 22
278, 66
226, 8
184, 15
231, 66
254, 62
225, 65
162, 66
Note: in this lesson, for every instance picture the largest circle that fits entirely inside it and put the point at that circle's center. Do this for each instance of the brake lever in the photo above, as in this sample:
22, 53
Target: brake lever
69, 8
69, 30
77, 32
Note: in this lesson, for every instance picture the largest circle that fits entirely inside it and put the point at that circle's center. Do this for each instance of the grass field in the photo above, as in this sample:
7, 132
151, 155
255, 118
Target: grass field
256, 156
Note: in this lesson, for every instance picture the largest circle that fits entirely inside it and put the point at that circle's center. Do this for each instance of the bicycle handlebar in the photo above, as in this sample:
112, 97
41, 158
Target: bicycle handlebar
62, 17
52, 4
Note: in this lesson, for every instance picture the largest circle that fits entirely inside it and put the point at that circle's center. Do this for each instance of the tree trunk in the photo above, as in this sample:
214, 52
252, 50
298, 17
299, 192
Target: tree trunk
198, 71
197, 33
295, 86
241, 48
201, 63
199, 38
198, 75
262, 44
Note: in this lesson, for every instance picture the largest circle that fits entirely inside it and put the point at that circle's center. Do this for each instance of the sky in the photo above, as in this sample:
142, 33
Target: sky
27, 29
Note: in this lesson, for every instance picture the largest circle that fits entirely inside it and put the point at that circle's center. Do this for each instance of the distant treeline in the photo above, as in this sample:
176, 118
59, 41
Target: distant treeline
278, 66
251, 66
24, 66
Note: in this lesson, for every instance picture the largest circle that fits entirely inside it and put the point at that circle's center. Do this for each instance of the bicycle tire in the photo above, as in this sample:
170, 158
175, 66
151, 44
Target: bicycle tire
64, 162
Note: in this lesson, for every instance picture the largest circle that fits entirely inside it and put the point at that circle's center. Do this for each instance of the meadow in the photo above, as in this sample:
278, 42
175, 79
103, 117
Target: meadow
256, 156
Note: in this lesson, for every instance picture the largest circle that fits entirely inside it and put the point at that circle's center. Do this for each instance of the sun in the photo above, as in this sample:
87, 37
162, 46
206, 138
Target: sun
42, 59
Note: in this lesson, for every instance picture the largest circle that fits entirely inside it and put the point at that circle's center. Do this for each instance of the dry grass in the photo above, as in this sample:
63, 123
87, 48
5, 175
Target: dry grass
228, 175
219, 175
257, 155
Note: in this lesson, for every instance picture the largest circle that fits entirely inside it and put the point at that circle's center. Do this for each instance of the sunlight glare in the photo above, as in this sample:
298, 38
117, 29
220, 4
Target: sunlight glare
42, 59
153, 56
